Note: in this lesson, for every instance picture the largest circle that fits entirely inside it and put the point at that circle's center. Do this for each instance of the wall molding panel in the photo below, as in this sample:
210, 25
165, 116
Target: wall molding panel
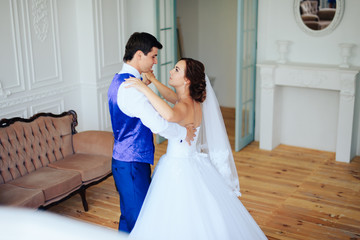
54, 106
105, 121
109, 36
42, 43
105, 83
12, 77
19, 112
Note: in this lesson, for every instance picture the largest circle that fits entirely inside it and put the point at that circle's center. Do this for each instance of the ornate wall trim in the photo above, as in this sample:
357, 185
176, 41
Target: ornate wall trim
40, 17
45, 94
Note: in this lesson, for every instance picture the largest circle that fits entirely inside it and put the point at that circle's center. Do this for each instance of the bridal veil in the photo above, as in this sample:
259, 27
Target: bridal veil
213, 140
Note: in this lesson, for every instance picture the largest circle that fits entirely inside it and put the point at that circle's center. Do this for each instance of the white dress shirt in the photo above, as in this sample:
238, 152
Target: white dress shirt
134, 104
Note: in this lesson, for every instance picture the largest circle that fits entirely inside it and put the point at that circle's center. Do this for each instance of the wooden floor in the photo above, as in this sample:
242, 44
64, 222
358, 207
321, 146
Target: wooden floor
292, 193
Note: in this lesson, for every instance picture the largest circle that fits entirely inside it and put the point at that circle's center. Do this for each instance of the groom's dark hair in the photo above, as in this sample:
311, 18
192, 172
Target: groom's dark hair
140, 41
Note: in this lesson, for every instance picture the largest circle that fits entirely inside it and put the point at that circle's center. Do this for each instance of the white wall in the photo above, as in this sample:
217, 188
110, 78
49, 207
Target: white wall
188, 17
276, 22
140, 17
209, 35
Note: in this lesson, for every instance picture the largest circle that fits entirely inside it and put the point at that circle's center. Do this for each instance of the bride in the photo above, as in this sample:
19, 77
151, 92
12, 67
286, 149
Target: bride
194, 189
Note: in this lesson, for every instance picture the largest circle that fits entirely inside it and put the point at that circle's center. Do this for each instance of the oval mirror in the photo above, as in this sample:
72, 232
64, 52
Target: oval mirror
318, 17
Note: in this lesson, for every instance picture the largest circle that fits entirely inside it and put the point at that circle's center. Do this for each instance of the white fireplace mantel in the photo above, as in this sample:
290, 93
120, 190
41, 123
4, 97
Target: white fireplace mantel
325, 77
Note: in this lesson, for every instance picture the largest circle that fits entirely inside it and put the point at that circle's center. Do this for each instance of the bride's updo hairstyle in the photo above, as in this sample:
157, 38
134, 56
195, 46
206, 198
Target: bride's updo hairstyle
195, 72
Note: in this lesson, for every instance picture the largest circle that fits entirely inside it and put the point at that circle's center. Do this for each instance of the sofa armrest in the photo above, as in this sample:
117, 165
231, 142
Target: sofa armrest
94, 142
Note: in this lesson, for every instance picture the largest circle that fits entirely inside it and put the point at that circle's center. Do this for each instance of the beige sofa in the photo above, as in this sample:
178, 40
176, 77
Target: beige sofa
43, 159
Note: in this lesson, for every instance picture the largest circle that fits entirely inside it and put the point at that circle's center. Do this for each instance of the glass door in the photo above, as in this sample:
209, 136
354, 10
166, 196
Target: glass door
246, 73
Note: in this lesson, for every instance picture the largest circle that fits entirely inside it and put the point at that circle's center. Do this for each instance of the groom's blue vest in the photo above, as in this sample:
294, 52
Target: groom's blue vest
133, 140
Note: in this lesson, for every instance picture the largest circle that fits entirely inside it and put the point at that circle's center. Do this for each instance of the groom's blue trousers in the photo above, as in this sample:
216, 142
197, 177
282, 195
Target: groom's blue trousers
132, 180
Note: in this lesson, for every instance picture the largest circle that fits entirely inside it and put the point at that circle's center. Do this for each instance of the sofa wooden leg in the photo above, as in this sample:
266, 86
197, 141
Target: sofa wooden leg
83, 199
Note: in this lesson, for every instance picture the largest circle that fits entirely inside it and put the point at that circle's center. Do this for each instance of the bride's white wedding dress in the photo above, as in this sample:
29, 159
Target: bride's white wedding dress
189, 199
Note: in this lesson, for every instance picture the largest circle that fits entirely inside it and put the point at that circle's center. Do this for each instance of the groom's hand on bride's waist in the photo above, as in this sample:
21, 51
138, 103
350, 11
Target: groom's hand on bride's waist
190, 134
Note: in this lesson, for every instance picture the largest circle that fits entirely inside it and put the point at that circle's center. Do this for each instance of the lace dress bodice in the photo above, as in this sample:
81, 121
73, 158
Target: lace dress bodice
181, 148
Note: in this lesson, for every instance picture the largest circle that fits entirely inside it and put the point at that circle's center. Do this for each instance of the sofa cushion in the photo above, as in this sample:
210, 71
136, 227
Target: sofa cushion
91, 167
94, 142
53, 182
12, 195
309, 17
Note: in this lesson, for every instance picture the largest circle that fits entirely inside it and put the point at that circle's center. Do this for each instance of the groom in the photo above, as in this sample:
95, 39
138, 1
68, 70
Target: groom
134, 121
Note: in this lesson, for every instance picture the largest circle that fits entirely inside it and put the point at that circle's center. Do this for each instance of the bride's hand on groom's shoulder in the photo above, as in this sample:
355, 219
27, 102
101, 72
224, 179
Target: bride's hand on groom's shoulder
135, 83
